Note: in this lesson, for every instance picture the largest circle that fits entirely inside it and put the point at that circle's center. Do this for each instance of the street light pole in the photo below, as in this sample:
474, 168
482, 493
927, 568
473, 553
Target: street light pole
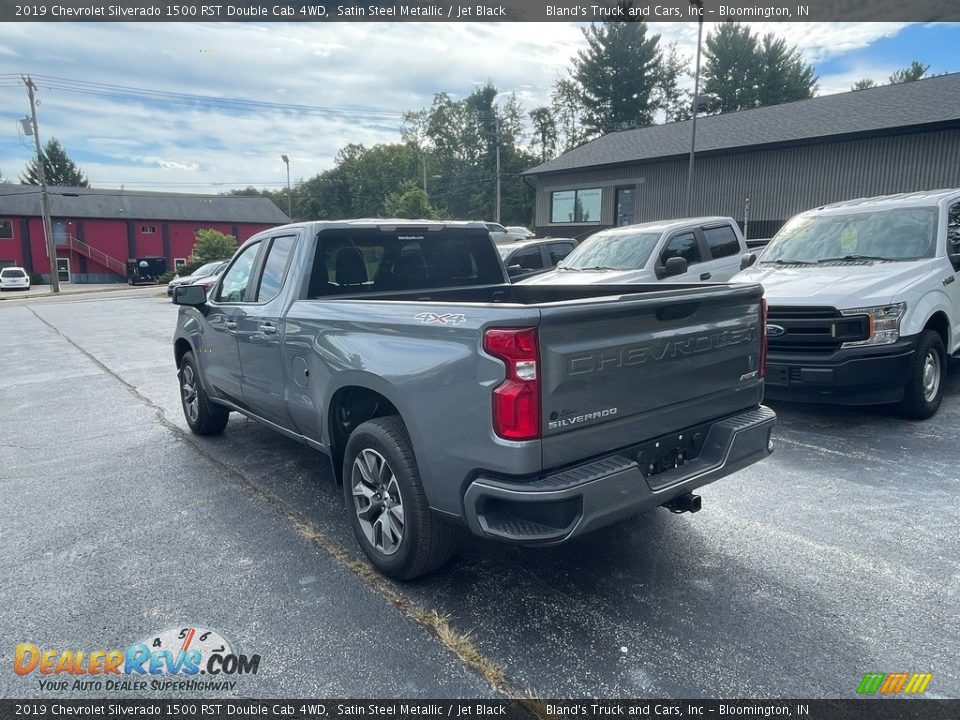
44, 198
286, 161
696, 101
496, 125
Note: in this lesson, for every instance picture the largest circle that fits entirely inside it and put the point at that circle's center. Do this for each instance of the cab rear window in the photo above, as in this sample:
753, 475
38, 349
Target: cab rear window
349, 262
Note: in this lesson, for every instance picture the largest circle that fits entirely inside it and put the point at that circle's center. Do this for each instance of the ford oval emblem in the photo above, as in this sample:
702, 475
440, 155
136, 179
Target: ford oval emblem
776, 330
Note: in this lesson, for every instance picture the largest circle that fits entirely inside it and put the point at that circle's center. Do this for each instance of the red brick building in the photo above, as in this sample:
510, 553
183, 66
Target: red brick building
97, 230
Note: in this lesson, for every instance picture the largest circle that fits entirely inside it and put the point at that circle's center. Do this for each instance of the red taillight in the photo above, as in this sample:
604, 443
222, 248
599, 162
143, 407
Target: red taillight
516, 401
763, 338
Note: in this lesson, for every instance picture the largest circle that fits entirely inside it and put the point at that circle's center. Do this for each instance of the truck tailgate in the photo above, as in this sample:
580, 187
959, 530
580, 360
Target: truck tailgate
636, 367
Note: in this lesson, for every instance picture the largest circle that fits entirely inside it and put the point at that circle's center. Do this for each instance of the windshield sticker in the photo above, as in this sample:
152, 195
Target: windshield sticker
848, 240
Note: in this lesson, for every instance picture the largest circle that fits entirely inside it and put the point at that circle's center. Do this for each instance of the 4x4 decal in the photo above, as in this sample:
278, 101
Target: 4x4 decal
432, 318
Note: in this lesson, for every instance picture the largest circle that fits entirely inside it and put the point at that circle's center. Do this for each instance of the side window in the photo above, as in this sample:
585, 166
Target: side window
953, 228
233, 288
529, 259
558, 252
684, 246
274, 267
722, 241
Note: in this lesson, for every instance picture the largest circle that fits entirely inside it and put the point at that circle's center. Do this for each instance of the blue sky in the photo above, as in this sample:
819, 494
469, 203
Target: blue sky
209, 147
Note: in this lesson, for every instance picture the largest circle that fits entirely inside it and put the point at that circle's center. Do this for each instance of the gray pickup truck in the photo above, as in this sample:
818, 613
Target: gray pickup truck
444, 395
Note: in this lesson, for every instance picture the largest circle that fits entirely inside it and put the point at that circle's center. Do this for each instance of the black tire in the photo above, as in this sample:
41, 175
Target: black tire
425, 542
925, 380
203, 416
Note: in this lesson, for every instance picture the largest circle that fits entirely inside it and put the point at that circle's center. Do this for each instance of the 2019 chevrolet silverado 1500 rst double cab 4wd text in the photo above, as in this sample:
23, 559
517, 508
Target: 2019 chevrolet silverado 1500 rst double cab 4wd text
444, 395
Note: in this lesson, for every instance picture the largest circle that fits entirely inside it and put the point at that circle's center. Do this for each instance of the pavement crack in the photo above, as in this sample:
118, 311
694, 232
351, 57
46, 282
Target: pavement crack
459, 643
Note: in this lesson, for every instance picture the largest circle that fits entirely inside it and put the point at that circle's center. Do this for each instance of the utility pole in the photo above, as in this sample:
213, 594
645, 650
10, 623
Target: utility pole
496, 125
44, 198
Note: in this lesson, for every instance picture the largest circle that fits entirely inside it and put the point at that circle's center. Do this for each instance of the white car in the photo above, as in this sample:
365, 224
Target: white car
688, 250
500, 234
14, 278
523, 232
864, 302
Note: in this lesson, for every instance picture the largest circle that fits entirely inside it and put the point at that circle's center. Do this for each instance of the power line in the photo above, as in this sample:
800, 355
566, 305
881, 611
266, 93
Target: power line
177, 98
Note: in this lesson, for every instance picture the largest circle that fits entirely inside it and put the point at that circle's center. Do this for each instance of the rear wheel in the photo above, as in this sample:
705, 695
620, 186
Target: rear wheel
387, 505
203, 416
925, 382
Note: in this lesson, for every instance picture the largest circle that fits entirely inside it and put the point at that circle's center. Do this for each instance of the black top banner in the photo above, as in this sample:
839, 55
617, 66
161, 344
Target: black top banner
481, 11
418, 709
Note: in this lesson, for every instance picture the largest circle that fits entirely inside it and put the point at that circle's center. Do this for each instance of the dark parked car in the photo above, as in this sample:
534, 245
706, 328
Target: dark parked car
531, 256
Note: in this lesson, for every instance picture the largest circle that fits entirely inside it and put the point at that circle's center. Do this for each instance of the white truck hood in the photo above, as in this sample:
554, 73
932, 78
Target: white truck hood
843, 286
591, 277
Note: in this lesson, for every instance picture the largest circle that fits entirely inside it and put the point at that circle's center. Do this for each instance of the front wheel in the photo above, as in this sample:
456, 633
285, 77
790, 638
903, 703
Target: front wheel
925, 381
387, 505
203, 416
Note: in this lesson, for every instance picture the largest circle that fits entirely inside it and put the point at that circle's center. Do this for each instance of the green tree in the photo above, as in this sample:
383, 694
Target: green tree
58, 168
566, 102
617, 74
864, 84
212, 245
745, 71
410, 202
731, 70
543, 140
915, 71
784, 76
674, 102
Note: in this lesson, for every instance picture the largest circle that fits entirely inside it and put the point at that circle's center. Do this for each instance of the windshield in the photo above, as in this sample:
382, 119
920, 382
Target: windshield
901, 234
207, 269
612, 251
13, 273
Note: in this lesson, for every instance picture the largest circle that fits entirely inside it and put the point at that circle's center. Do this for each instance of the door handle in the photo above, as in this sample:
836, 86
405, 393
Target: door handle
704, 276
268, 328
230, 324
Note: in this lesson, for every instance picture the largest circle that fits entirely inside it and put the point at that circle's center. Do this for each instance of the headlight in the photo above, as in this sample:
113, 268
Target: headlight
884, 324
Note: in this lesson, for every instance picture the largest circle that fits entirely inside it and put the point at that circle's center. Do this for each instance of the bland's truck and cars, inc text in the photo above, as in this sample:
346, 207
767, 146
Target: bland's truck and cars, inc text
445, 395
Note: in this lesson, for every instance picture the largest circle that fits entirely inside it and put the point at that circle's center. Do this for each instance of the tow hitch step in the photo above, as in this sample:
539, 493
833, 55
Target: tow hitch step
684, 503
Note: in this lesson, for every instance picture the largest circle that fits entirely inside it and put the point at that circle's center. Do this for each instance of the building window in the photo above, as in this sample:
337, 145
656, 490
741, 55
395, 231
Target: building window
722, 241
575, 206
148, 229
179, 264
6, 230
626, 206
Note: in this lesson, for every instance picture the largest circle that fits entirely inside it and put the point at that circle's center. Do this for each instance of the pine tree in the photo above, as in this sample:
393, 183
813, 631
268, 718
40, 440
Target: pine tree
864, 84
617, 75
745, 71
58, 168
915, 71
544, 135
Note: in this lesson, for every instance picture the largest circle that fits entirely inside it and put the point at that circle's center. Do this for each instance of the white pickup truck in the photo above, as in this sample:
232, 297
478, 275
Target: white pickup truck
864, 303
686, 250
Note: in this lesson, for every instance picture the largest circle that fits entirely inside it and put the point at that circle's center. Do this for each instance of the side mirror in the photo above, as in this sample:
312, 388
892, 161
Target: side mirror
955, 260
189, 295
513, 270
675, 266
747, 260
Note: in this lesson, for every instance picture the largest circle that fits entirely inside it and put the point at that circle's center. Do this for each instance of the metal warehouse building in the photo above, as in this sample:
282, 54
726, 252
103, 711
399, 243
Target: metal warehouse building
97, 230
784, 159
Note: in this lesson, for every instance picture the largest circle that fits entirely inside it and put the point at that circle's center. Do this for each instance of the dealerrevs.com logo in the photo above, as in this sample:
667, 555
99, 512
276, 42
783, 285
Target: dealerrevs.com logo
174, 659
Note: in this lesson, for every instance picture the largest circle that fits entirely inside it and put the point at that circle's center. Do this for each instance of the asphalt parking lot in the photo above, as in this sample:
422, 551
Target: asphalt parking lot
835, 557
